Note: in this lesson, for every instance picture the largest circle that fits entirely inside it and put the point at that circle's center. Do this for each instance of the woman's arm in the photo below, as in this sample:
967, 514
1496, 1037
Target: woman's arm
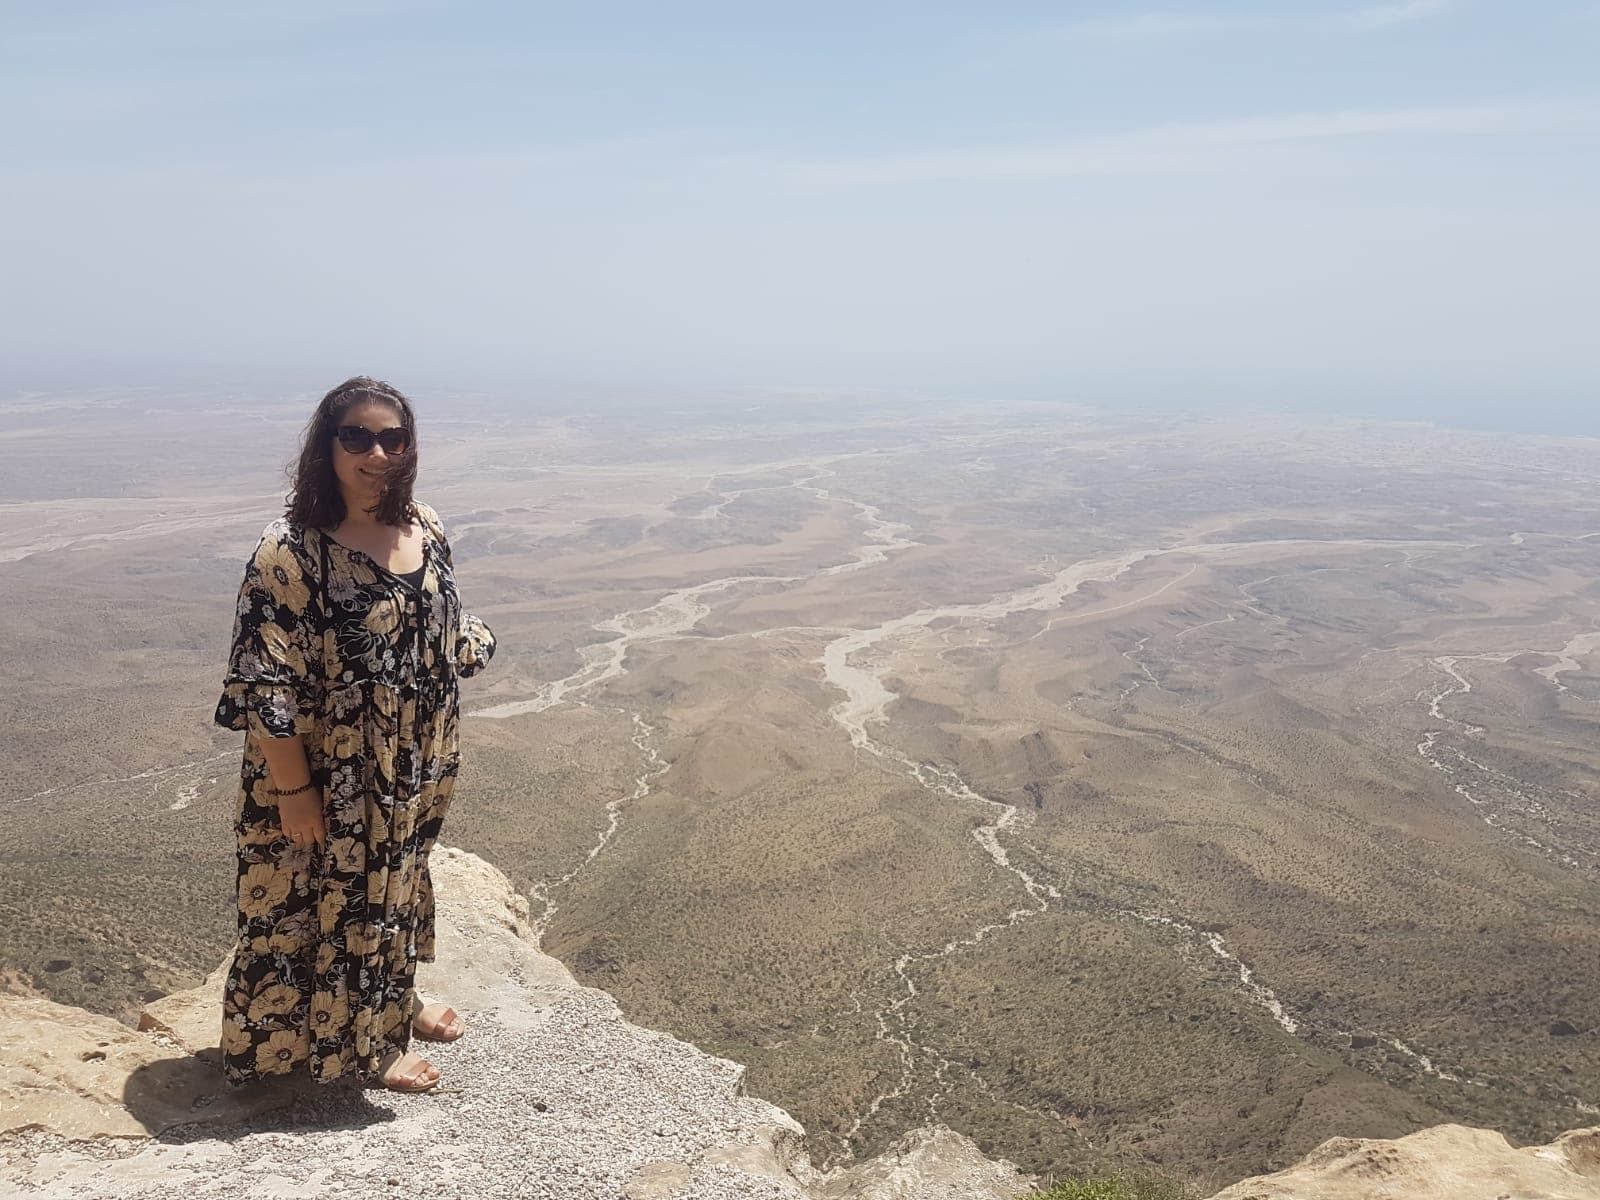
300, 815
474, 640
274, 685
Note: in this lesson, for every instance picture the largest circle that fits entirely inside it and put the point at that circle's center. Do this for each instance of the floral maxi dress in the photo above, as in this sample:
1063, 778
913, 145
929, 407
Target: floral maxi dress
363, 666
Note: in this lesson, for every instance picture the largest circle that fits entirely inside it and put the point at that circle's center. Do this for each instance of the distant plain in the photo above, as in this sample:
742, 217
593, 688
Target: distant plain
1183, 789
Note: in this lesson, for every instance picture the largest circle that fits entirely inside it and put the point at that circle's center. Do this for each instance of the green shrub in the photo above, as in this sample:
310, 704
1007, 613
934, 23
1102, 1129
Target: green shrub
1116, 1187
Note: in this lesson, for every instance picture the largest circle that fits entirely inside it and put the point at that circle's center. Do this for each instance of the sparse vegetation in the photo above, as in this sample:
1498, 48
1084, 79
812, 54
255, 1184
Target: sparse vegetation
1228, 740
1140, 1186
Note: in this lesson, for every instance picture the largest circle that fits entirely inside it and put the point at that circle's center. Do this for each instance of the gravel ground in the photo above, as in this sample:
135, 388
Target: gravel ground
551, 1094
571, 1108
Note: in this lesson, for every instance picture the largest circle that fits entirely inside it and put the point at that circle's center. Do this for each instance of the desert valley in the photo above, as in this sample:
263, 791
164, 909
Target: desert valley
1109, 787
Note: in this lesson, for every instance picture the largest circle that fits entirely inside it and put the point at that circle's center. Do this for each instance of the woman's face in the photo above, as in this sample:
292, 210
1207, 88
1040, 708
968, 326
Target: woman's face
361, 475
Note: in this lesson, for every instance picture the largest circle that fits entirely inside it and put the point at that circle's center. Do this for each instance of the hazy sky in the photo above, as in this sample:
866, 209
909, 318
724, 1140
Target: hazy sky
1398, 198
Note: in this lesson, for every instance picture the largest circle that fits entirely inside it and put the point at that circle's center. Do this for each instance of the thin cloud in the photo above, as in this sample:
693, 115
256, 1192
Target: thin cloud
1166, 24
1384, 15
1182, 148
1159, 24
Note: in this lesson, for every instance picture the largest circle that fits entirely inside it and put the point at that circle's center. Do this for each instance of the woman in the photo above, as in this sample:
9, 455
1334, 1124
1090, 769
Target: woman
348, 641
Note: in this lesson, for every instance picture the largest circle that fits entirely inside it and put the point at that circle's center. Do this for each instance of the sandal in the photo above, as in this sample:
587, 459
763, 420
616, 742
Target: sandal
440, 1026
414, 1080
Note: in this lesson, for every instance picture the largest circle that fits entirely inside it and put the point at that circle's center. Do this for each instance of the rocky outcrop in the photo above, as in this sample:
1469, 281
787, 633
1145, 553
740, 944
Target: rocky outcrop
79, 1075
1448, 1162
551, 1094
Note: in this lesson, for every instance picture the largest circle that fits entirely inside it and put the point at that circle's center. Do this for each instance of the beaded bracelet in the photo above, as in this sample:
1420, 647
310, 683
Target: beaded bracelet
304, 787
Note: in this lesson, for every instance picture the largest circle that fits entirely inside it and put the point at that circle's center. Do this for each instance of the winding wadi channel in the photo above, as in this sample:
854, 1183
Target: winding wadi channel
855, 662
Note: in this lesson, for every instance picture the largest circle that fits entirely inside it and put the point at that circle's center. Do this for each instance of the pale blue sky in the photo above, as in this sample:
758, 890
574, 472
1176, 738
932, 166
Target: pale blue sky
1340, 205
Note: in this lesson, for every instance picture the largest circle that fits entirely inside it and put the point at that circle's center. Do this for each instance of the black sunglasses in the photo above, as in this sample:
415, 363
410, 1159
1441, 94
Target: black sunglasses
358, 439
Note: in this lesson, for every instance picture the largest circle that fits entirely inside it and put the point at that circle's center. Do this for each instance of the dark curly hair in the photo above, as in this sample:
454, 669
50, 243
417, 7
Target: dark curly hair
314, 501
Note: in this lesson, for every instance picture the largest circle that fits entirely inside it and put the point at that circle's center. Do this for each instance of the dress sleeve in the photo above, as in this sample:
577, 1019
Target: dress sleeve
274, 683
475, 646
474, 639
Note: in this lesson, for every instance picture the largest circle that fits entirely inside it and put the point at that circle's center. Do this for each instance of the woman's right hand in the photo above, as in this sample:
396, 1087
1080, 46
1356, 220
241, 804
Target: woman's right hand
300, 817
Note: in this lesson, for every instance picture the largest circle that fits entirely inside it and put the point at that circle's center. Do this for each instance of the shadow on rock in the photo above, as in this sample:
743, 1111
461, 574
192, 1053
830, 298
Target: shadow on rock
182, 1098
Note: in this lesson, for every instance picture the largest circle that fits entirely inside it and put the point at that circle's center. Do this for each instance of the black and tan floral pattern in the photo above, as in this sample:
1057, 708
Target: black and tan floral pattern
364, 667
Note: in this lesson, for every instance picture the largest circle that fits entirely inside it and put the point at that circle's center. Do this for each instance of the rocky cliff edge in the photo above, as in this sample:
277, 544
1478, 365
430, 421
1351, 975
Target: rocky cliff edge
552, 1094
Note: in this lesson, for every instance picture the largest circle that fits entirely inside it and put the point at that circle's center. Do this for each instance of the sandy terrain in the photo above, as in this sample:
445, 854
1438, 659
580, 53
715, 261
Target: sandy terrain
1105, 787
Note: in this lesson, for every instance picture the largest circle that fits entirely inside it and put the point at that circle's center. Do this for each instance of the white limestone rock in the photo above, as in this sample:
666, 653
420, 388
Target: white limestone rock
551, 1093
